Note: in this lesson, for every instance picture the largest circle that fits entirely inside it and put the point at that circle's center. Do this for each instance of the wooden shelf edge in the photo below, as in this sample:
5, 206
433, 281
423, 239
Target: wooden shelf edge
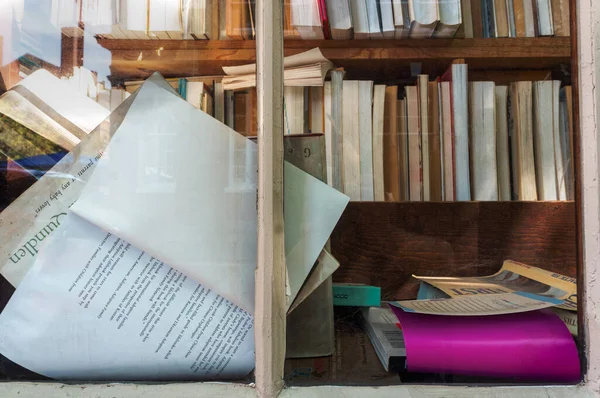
539, 47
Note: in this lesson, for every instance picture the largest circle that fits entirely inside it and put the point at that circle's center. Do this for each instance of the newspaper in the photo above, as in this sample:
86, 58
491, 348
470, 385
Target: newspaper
516, 287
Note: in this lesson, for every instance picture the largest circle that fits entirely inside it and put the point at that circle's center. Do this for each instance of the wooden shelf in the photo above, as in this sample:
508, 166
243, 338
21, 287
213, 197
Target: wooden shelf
135, 59
383, 244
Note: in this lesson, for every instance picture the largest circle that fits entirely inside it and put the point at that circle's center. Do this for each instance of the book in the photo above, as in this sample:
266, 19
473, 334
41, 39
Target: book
502, 18
403, 150
293, 98
484, 171
561, 186
424, 17
374, 19
360, 19
401, 19
529, 16
340, 19
378, 142
356, 295
415, 189
365, 123
386, 19
543, 140
544, 18
457, 76
450, 15
566, 138
502, 143
467, 18
351, 140
520, 130
561, 17
337, 95
198, 19
521, 22
391, 167
324, 19
306, 19
289, 31
316, 110
477, 18
237, 20
424, 134
435, 144
385, 333
489, 19
448, 141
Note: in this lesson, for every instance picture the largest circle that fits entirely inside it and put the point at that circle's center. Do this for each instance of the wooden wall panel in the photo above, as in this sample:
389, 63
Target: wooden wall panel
383, 244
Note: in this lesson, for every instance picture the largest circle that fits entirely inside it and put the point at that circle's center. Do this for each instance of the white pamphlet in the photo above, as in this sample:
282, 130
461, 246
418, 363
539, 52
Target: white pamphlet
93, 307
164, 185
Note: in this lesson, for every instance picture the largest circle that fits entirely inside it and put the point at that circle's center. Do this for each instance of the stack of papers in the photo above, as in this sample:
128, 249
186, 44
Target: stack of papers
142, 240
305, 69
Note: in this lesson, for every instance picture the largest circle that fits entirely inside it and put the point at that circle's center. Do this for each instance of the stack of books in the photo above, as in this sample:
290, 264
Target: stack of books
311, 19
423, 19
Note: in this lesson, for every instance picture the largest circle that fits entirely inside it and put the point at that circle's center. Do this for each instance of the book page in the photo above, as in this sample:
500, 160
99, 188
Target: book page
93, 307
490, 304
33, 216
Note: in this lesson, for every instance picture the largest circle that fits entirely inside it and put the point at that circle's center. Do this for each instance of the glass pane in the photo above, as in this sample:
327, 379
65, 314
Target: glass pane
449, 126
127, 190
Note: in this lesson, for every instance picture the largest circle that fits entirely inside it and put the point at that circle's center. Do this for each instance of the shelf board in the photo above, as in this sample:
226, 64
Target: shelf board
383, 244
139, 58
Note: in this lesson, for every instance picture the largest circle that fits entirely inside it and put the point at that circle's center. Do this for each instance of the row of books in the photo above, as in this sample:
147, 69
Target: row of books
312, 19
156, 19
443, 140
399, 19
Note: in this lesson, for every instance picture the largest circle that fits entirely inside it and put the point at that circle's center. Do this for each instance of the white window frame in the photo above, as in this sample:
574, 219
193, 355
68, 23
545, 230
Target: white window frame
270, 324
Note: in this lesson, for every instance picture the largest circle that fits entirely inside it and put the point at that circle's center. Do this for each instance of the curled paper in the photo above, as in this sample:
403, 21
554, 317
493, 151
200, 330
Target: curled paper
531, 346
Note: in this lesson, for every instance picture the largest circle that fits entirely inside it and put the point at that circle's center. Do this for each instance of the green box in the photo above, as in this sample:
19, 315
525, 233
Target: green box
356, 295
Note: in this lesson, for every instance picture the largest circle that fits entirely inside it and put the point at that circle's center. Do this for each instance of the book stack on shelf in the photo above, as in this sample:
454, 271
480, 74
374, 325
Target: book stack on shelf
449, 139
396, 19
314, 20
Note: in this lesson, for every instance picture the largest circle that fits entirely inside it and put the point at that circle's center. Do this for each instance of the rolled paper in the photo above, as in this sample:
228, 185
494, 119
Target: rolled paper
530, 346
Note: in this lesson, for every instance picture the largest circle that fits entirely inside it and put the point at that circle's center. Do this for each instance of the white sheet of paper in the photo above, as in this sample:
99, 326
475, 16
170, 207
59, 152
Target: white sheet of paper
79, 109
164, 185
95, 308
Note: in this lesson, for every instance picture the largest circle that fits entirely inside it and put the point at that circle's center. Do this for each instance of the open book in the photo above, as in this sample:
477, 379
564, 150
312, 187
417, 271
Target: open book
156, 257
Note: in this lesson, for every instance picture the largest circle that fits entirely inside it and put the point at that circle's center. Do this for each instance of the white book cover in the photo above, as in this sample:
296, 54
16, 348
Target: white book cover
502, 146
378, 116
365, 122
374, 20
484, 169
360, 19
386, 14
543, 140
460, 119
544, 18
351, 141
424, 132
558, 150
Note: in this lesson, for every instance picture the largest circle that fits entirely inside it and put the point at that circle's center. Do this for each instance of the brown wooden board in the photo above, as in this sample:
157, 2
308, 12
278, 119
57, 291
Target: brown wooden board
134, 59
383, 244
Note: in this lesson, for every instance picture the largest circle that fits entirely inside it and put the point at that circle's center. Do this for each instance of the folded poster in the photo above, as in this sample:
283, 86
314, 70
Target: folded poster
532, 346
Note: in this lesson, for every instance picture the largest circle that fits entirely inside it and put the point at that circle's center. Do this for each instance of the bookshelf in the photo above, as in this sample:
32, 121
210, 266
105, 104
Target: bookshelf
134, 59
